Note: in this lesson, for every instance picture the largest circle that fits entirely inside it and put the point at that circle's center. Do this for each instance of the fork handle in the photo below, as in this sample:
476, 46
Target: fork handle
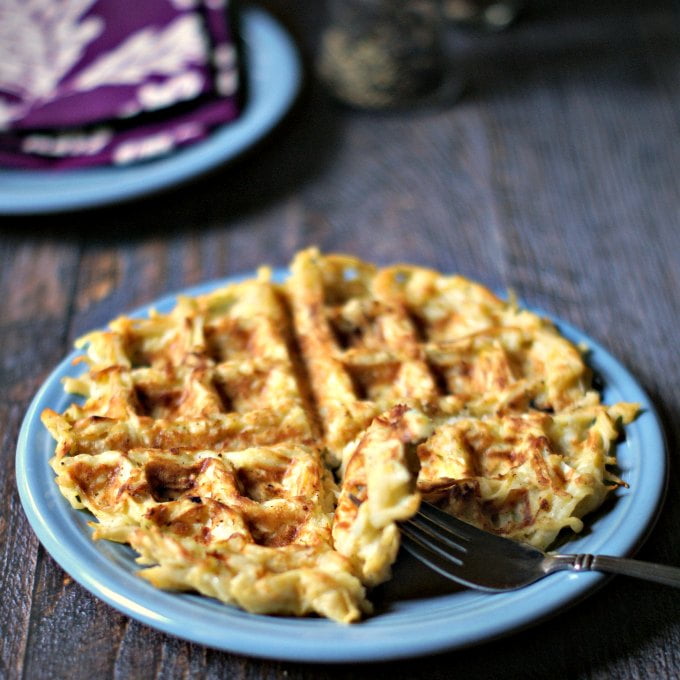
649, 571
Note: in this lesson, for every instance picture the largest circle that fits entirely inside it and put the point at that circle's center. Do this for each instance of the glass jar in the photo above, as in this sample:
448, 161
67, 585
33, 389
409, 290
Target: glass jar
382, 53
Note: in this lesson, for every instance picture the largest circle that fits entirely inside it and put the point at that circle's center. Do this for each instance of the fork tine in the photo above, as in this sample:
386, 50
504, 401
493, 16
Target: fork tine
462, 531
445, 522
445, 564
434, 544
431, 533
440, 561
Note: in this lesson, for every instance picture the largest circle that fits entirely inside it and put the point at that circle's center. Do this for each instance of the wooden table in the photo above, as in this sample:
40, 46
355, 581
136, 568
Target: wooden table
556, 174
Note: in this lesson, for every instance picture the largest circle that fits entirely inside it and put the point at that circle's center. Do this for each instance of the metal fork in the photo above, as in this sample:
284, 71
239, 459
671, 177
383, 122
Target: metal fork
488, 562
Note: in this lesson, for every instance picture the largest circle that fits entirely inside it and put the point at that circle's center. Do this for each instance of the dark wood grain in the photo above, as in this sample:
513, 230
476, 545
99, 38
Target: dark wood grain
37, 282
555, 174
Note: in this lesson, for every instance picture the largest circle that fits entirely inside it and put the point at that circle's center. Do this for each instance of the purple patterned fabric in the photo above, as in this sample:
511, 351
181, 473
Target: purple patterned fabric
87, 82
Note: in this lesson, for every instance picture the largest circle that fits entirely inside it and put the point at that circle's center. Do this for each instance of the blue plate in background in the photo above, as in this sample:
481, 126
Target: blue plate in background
423, 622
274, 75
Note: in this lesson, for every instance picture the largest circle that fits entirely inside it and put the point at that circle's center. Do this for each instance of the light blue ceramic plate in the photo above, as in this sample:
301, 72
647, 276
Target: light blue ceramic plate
274, 75
418, 614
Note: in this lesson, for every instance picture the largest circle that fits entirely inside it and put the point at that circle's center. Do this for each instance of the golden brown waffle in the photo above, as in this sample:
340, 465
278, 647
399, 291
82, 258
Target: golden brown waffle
372, 338
216, 372
525, 476
250, 527
206, 436
378, 490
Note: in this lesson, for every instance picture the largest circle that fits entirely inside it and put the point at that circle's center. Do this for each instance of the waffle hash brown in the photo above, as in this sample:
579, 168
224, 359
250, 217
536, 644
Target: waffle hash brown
207, 438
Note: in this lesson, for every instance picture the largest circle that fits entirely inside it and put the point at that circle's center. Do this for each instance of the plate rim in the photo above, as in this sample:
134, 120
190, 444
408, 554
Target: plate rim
310, 639
274, 73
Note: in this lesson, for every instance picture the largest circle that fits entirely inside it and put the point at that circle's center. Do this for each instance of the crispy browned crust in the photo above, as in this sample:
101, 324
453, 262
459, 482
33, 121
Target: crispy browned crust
206, 437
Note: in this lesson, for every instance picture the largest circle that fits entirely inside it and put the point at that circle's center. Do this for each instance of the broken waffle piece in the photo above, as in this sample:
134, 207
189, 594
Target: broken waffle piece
524, 476
378, 490
252, 527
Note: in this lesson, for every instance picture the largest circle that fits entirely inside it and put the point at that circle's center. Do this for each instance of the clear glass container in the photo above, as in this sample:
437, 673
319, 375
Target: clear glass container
382, 53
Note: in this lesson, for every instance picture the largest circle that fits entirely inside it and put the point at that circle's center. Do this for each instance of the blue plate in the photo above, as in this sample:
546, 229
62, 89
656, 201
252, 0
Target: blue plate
274, 75
416, 622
